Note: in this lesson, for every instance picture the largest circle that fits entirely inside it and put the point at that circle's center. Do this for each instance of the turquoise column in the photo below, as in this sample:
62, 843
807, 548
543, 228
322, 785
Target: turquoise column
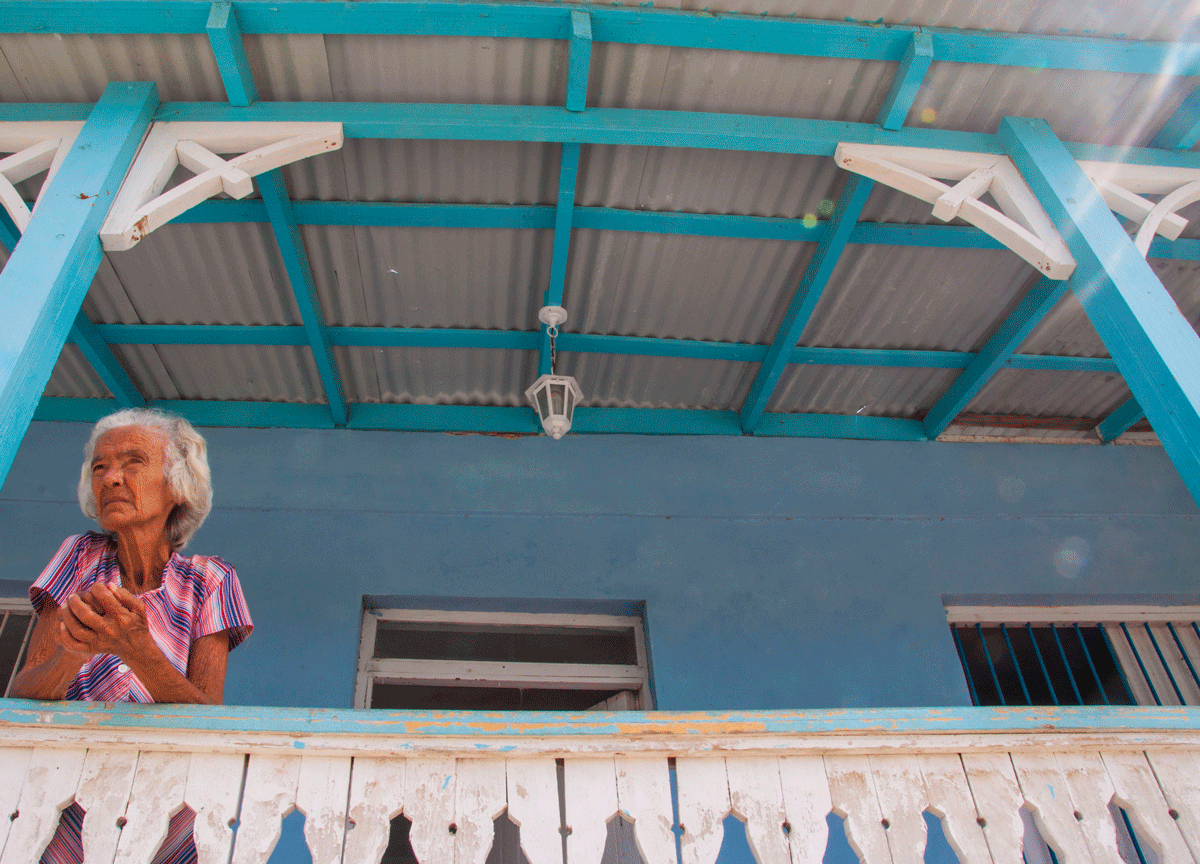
1154, 346
43, 285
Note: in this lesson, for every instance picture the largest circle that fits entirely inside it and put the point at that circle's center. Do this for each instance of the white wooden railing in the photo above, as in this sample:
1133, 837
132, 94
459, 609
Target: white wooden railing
452, 774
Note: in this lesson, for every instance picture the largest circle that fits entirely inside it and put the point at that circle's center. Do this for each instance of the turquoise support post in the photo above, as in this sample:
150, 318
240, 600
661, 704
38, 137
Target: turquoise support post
1033, 306
43, 285
579, 59
98, 353
225, 37
816, 277
907, 83
1118, 422
567, 173
1154, 346
1182, 131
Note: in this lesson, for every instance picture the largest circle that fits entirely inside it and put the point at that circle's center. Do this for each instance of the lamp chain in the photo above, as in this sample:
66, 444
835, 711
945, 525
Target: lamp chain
553, 331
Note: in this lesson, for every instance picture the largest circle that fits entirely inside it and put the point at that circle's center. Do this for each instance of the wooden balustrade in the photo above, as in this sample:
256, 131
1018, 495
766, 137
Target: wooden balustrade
452, 774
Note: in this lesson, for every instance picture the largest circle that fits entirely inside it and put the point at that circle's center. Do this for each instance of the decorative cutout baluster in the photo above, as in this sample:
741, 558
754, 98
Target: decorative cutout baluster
321, 792
1178, 775
756, 795
533, 806
901, 790
158, 790
591, 800
644, 795
14, 768
998, 801
807, 802
950, 800
376, 797
703, 805
1047, 791
429, 803
480, 795
50, 785
214, 790
1138, 794
103, 793
269, 795
853, 795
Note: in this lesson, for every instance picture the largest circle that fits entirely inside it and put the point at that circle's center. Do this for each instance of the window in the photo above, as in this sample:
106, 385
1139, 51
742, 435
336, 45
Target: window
16, 625
498, 655
1070, 652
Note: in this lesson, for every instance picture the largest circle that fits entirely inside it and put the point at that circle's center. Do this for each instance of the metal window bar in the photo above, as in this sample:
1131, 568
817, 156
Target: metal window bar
1137, 847
20, 654
962, 655
1141, 665
1165, 664
1088, 654
1016, 664
991, 666
1041, 662
1183, 651
1067, 666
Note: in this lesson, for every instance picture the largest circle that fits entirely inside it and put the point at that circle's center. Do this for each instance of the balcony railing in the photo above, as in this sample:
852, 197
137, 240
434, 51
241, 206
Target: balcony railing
562, 777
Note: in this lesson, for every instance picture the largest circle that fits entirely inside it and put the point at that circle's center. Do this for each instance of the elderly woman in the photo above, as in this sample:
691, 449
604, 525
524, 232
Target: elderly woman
122, 616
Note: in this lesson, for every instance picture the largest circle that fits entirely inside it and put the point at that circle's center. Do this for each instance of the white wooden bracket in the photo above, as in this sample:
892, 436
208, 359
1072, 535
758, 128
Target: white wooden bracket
1122, 186
1020, 223
141, 206
35, 147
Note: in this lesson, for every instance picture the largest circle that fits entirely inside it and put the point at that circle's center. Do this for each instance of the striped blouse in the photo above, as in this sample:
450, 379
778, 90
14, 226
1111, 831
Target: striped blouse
198, 596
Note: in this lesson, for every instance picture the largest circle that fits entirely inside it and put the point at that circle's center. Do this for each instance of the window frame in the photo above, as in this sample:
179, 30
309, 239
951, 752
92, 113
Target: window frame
1153, 667
589, 676
19, 605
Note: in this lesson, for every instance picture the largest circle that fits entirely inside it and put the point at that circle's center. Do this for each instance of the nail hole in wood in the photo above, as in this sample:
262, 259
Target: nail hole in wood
982, 822
1078, 816
1173, 813
787, 827
350, 824
233, 822
14, 815
453, 828
885, 823
121, 821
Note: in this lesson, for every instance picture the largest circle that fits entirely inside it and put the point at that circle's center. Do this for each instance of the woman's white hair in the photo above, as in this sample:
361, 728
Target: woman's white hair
185, 465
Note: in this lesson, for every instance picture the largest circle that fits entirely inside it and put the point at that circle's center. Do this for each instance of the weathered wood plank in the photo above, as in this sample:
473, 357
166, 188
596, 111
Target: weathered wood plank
950, 800
322, 790
533, 806
590, 787
852, 792
1047, 792
1138, 794
104, 786
1178, 776
214, 790
644, 795
1091, 790
159, 784
481, 795
14, 766
268, 796
901, 790
806, 800
756, 796
376, 797
998, 800
703, 805
50, 784
429, 804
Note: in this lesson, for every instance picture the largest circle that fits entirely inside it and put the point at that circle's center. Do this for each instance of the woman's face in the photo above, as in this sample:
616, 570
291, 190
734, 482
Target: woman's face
128, 481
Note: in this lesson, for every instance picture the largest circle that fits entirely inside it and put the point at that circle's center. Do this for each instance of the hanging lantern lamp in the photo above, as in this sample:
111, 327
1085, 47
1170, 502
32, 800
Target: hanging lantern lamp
554, 396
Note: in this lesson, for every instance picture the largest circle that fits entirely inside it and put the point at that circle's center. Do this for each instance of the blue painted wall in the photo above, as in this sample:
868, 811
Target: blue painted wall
777, 573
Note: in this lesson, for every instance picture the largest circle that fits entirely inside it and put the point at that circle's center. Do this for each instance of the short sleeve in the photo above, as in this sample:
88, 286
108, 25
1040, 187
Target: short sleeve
61, 577
225, 608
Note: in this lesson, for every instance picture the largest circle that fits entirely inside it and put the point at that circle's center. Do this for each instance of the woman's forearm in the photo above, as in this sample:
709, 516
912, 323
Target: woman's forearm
49, 679
164, 681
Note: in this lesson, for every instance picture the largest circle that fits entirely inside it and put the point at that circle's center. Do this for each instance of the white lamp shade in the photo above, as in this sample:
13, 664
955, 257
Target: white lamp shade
554, 398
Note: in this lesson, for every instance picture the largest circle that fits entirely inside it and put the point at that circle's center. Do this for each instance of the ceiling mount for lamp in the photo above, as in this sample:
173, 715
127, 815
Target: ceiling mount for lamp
554, 397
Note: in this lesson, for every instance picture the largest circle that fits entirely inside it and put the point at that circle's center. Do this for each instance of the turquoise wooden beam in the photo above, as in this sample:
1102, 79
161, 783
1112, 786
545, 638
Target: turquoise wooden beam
907, 82
579, 59
816, 277
567, 173
98, 353
53, 264
1118, 422
225, 37
999, 348
1154, 346
1182, 131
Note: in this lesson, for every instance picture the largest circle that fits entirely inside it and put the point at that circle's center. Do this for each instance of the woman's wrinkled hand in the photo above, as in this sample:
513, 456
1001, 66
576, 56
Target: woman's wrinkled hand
103, 620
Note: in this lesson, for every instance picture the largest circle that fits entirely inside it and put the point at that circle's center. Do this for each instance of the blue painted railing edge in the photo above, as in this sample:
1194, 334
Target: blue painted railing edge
373, 722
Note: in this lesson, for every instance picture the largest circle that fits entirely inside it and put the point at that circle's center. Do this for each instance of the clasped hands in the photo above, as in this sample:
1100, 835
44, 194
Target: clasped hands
103, 620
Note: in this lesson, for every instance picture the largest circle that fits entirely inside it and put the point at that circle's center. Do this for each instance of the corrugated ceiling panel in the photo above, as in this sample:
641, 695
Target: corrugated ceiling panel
679, 287
50, 67
906, 297
882, 392
1041, 393
447, 69
454, 277
1064, 330
205, 274
146, 370
74, 377
470, 172
615, 381
441, 376
256, 373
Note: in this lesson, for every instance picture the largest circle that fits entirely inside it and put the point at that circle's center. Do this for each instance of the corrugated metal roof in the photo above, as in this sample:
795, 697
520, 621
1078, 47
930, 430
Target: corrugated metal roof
667, 286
